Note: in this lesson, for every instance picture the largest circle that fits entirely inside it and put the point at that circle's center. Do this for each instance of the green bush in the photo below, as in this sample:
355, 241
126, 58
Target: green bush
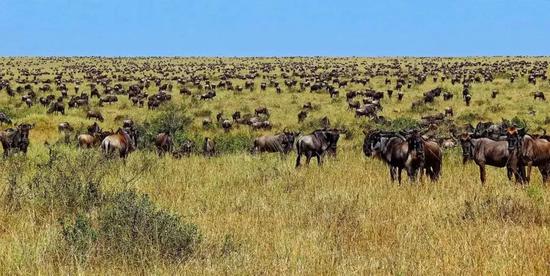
79, 235
69, 181
131, 225
171, 119
233, 142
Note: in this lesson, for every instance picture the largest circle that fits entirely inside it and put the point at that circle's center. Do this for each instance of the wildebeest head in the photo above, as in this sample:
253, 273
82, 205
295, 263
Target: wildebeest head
467, 146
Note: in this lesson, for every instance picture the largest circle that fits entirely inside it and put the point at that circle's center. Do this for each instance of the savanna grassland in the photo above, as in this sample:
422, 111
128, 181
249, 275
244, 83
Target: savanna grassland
66, 210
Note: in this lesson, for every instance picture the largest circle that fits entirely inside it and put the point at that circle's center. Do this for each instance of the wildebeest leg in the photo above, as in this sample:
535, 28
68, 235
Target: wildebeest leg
399, 174
529, 167
319, 160
298, 159
309, 154
509, 173
482, 173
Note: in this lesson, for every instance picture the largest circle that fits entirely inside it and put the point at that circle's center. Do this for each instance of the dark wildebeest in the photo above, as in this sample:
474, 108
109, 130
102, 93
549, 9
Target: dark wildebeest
539, 95
282, 143
317, 143
302, 116
4, 118
449, 111
163, 143
94, 114
393, 149
209, 147
94, 128
208, 95
400, 96
57, 107
119, 141
185, 149
485, 151
226, 125
529, 151
467, 99
261, 110
15, 138
424, 156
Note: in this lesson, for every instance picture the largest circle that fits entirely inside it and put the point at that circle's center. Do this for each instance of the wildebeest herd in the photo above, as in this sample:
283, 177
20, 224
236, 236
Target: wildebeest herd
371, 94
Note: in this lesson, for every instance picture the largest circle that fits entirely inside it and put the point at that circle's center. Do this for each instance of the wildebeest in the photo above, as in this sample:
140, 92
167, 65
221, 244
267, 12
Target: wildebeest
16, 138
185, 149
529, 151
485, 151
226, 125
94, 114
317, 143
57, 107
4, 118
393, 149
261, 110
119, 141
424, 156
208, 95
539, 95
282, 143
302, 115
87, 140
163, 143
209, 147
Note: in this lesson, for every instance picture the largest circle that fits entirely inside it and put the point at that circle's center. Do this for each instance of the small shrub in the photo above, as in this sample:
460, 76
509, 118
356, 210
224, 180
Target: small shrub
131, 225
79, 236
232, 143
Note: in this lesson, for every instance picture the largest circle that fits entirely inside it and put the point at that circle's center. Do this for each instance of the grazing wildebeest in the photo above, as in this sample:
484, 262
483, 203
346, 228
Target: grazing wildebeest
209, 147
485, 151
539, 95
185, 149
94, 114
119, 141
4, 118
208, 95
57, 107
528, 151
282, 143
163, 143
15, 138
317, 143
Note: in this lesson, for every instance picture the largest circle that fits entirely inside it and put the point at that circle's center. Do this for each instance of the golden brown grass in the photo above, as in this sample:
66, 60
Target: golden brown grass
258, 214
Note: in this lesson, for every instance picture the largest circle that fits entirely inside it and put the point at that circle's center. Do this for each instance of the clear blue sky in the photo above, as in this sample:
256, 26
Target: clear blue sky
274, 27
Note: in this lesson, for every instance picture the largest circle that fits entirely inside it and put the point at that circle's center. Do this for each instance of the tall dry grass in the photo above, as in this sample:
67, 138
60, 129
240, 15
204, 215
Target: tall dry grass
258, 214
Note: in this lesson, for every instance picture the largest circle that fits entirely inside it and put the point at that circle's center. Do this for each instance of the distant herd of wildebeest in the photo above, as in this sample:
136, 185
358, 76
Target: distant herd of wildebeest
416, 150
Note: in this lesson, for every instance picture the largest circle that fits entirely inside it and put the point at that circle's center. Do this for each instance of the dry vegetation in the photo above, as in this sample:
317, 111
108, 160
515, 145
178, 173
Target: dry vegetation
68, 211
